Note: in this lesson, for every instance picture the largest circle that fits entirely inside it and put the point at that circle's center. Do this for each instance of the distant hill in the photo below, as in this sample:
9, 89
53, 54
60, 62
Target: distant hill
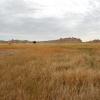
65, 40
15, 41
94, 41
61, 40
1, 41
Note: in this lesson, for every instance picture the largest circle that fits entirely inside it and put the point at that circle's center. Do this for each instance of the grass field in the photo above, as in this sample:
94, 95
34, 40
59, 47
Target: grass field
50, 71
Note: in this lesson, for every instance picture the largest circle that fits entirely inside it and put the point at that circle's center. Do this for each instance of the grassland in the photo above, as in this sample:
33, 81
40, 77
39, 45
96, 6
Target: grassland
50, 71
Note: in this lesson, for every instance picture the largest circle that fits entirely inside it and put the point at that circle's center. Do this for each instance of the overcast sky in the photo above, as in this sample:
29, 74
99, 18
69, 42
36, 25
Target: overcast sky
49, 19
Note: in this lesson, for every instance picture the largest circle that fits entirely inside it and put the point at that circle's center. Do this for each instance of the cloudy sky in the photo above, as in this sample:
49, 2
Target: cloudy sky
49, 19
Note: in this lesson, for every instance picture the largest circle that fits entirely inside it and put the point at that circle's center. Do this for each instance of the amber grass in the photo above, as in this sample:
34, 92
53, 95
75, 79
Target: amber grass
50, 72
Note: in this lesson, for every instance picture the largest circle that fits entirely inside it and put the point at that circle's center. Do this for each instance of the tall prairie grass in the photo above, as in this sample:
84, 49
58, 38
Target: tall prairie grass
50, 72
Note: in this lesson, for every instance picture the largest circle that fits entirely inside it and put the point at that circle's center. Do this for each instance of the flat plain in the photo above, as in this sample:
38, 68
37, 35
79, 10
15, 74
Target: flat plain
50, 71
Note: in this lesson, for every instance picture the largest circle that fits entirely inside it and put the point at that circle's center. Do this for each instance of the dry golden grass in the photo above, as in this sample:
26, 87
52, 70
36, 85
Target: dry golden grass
50, 72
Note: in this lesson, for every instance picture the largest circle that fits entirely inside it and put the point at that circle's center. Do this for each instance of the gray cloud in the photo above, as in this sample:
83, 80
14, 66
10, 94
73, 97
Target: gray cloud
14, 7
17, 16
89, 25
11, 12
14, 17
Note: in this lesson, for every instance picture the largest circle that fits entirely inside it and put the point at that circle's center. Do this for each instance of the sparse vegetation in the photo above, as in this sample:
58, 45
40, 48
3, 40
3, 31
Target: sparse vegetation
50, 71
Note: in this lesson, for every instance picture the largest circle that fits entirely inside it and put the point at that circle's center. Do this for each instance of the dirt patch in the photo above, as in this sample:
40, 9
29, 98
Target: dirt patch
7, 53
